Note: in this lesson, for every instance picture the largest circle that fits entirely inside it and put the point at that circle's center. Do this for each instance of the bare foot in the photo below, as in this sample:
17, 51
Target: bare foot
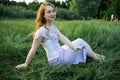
99, 57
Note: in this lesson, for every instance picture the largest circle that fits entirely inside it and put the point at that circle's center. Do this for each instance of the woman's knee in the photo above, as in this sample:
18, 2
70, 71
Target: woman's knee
83, 42
80, 40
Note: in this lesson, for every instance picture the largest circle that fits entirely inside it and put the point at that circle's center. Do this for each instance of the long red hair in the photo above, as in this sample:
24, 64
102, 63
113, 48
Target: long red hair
40, 20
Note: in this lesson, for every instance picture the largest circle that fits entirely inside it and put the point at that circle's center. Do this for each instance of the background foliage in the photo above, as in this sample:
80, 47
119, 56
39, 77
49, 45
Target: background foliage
16, 12
86, 8
83, 9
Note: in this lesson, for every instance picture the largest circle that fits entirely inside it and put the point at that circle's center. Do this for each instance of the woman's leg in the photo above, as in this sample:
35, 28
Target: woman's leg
95, 56
89, 51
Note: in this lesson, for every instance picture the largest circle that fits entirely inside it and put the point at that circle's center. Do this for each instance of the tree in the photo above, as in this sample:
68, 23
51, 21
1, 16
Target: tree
33, 5
104, 5
58, 4
52, 1
63, 5
86, 8
4, 2
68, 3
113, 8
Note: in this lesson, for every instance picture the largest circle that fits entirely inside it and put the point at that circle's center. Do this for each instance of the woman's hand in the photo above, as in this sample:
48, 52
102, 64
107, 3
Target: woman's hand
24, 65
76, 48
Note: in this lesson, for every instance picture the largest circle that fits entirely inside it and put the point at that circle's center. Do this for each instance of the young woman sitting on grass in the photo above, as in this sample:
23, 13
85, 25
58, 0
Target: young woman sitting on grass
48, 35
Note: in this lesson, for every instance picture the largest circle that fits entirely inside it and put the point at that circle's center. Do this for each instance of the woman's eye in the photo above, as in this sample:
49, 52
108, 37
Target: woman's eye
49, 11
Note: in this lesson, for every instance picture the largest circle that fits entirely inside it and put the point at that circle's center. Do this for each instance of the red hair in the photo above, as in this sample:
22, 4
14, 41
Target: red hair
40, 20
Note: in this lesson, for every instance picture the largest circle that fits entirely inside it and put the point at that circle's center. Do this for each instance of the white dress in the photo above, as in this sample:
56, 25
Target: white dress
61, 55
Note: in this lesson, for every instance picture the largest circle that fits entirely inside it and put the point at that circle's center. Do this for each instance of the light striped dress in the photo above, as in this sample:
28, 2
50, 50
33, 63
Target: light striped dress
61, 55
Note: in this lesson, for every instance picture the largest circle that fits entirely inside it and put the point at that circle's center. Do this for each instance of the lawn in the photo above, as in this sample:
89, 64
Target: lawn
16, 40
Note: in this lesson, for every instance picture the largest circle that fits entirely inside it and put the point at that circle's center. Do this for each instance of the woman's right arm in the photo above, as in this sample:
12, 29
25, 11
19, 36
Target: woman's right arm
35, 44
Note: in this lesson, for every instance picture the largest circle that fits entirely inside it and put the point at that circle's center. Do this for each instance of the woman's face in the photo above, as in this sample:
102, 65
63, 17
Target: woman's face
50, 13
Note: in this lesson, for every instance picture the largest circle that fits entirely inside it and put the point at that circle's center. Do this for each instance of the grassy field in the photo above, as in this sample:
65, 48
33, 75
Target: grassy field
16, 40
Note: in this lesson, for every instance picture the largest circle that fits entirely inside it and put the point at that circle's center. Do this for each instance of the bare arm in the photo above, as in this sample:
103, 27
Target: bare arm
66, 41
35, 44
33, 49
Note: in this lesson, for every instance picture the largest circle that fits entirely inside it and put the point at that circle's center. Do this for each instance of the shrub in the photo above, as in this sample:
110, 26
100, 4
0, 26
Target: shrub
67, 14
16, 12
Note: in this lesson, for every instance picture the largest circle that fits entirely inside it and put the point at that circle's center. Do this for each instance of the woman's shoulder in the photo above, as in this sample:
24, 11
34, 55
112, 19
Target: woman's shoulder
40, 32
41, 29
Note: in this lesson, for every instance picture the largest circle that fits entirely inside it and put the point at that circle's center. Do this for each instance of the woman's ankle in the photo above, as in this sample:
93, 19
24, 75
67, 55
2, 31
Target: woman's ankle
99, 57
91, 54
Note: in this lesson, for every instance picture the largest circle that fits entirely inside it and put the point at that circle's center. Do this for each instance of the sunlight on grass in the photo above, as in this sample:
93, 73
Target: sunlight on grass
16, 40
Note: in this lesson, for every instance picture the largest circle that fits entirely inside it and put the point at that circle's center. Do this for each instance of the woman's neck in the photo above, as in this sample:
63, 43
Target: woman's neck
49, 24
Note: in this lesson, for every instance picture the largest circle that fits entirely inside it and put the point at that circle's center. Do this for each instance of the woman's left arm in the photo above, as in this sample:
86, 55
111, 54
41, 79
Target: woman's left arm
66, 41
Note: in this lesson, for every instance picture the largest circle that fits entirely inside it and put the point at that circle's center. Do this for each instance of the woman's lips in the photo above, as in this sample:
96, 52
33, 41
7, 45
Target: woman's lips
52, 16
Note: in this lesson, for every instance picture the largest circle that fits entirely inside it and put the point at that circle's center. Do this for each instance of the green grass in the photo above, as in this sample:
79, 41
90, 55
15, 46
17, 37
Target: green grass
16, 40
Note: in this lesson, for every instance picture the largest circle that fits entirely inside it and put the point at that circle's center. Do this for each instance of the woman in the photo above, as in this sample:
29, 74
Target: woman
48, 35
